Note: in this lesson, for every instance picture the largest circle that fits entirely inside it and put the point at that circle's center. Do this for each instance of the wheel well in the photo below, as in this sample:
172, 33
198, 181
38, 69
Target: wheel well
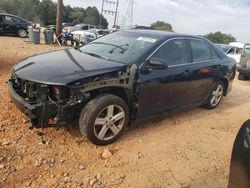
118, 91
225, 83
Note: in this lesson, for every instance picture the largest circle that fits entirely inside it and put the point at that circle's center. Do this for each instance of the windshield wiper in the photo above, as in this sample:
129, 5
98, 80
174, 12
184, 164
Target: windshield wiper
96, 55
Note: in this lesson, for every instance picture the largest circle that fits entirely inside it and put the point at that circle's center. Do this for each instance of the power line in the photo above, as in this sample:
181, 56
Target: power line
128, 19
109, 11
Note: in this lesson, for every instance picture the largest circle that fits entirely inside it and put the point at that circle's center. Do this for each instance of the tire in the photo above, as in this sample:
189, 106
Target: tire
215, 96
241, 77
22, 33
103, 119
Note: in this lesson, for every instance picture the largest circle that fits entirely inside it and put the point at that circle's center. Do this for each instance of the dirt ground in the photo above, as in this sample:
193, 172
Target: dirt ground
187, 149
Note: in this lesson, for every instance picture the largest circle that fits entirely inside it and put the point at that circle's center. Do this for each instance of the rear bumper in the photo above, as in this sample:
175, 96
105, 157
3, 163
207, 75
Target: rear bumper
244, 71
34, 111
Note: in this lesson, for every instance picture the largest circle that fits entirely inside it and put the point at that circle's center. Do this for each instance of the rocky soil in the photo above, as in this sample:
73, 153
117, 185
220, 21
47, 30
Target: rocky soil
187, 149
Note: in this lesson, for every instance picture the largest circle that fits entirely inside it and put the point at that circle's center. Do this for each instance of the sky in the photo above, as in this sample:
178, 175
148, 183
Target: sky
197, 17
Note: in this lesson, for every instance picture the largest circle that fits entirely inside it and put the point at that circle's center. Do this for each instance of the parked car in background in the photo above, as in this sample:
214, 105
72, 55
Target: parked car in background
121, 77
53, 27
11, 24
244, 65
79, 27
89, 35
239, 174
67, 24
231, 51
137, 27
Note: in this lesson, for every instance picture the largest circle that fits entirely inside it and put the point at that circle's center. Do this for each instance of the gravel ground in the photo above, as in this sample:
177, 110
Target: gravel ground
191, 148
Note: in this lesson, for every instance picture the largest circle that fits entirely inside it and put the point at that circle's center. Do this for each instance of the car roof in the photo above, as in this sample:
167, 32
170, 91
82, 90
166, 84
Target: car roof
162, 34
6, 14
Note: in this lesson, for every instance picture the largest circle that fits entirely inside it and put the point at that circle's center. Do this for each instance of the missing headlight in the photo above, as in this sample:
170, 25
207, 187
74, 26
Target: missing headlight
59, 93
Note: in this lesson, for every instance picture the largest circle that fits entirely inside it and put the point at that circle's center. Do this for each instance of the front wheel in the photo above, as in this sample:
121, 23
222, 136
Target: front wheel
215, 96
103, 119
22, 33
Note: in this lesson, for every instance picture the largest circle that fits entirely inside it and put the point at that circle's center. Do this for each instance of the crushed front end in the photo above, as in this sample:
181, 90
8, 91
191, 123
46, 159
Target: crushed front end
42, 103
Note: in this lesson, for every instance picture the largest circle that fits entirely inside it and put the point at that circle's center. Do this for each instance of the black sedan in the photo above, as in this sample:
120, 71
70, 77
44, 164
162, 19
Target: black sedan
11, 24
119, 78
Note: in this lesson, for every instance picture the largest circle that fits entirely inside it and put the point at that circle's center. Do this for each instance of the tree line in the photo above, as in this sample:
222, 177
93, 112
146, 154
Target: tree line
216, 37
44, 12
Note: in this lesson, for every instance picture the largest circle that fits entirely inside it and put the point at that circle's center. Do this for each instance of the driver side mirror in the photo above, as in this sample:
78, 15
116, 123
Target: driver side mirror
155, 63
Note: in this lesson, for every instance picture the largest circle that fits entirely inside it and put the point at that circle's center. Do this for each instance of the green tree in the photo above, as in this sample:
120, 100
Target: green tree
161, 25
219, 37
44, 12
47, 12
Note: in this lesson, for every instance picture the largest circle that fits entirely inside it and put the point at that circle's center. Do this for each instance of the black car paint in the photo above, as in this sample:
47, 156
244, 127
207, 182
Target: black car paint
68, 65
239, 174
12, 28
147, 93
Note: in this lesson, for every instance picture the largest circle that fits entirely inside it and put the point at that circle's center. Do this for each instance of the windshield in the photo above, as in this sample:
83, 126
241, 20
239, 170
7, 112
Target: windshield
123, 47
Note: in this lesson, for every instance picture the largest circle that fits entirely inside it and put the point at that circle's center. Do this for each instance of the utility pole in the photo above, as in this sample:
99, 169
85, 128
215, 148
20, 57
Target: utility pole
116, 12
128, 19
59, 19
109, 11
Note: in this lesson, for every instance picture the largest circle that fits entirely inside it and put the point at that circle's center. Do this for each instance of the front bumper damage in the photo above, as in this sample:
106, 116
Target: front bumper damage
41, 106
32, 111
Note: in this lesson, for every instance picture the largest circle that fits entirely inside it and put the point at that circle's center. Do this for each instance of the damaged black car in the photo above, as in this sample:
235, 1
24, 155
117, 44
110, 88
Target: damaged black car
120, 78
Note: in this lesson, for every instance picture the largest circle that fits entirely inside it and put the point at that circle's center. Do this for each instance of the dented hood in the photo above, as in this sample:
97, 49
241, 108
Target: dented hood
62, 67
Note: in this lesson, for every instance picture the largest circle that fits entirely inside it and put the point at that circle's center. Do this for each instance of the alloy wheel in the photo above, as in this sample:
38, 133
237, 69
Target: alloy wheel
217, 95
109, 122
22, 33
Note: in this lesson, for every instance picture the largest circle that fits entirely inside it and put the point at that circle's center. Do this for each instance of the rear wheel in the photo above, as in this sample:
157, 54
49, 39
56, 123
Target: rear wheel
215, 96
103, 119
22, 33
241, 77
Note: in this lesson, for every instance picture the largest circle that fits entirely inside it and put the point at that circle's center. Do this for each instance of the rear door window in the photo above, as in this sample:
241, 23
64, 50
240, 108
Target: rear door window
174, 52
201, 51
